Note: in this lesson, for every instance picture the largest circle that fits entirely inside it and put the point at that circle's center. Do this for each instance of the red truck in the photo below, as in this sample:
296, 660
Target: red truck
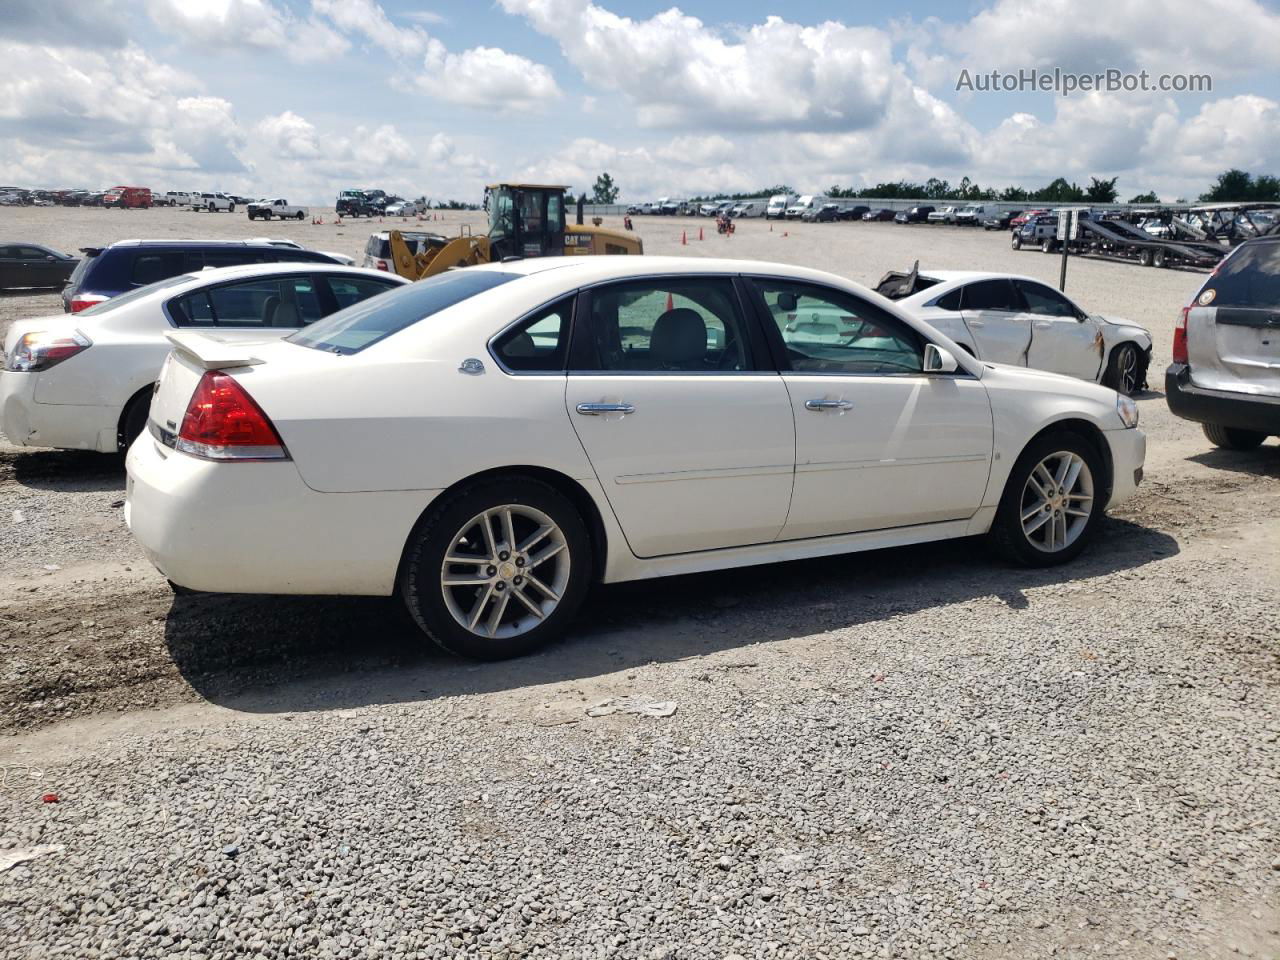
128, 197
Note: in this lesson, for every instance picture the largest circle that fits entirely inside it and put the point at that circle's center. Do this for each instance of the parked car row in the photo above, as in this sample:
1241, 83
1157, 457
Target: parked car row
301, 427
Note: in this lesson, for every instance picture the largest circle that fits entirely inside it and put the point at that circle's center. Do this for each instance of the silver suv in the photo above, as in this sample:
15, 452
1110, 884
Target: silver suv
1226, 350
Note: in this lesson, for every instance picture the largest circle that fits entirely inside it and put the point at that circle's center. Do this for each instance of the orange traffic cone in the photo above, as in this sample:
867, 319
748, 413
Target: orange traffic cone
684, 240
670, 305
699, 233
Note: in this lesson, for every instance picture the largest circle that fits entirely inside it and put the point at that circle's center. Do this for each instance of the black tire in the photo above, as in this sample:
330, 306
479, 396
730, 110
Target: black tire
1158, 259
1229, 438
1016, 242
1126, 370
1046, 245
298, 215
232, 209
134, 420
420, 572
1006, 536
1146, 257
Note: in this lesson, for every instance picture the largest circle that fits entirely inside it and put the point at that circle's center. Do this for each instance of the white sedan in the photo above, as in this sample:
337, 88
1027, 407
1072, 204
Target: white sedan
490, 441
402, 208
83, 381
1005, 318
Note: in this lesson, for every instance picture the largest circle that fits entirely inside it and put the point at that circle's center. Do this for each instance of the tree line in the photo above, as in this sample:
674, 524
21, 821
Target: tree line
1230, 186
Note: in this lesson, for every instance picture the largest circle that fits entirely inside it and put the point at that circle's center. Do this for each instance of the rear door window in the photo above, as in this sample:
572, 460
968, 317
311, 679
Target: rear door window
990, 295
686, 325
150, 267
287, 301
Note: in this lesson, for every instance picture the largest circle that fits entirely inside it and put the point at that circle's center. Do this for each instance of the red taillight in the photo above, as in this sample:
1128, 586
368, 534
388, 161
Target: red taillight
382, 265
83, 301
1180, 337
224, 423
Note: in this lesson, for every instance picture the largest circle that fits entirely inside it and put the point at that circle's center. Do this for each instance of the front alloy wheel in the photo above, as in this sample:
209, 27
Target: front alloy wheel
1057, 501
1052, 501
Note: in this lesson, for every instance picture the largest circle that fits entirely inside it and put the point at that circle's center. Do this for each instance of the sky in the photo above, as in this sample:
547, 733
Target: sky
302, 98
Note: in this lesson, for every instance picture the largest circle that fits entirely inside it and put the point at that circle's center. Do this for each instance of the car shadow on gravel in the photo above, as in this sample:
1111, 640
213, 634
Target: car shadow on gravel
1262, 462
288, 654
61, 471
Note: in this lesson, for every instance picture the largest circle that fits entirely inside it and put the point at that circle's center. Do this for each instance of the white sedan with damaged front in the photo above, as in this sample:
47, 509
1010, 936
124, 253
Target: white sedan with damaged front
1004, 318
489, 442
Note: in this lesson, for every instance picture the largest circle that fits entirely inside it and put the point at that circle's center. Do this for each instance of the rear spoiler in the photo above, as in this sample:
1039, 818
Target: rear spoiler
208, 352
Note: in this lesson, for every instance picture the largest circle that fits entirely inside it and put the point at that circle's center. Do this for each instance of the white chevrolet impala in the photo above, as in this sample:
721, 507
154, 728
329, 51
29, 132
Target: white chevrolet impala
489, 442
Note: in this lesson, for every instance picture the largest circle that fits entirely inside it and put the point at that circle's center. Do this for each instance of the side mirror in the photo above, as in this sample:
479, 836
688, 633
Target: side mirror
939, 360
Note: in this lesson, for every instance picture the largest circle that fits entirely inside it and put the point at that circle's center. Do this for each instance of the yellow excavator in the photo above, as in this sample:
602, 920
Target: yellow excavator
525, 220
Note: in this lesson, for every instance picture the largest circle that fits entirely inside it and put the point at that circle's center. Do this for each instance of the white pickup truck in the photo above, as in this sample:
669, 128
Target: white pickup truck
213, 202
275, 207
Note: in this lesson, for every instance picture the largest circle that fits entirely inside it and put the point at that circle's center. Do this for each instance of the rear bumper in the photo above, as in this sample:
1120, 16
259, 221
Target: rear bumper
1224, 408
255, 527
1128, 454
27, 423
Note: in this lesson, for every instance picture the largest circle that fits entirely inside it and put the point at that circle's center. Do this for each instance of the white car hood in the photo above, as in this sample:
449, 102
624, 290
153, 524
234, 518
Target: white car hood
1045, 380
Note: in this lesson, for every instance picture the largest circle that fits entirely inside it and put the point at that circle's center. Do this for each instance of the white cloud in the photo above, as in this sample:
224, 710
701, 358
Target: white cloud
486, 77
251, 24
368, 19
679, 72
429, 17
1222, 37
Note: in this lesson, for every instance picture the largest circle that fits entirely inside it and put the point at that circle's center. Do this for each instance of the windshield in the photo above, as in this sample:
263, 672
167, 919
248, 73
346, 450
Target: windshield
501, 214
106, 306
364, 324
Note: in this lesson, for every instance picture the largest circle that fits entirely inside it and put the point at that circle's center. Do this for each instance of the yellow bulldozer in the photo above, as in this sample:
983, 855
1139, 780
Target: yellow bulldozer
525, 220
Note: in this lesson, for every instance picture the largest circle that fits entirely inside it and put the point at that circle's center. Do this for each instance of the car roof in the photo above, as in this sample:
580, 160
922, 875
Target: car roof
202, 278
588, 270
183, 243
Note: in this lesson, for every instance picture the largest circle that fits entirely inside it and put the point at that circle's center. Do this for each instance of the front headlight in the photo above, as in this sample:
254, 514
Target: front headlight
42, 350
1127, 408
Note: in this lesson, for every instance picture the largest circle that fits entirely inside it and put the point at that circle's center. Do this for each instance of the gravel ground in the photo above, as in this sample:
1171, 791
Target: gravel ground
898, 754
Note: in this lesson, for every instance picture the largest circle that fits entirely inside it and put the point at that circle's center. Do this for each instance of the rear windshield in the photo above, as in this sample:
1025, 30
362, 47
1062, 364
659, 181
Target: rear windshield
364, 324
1248, 278
107, 306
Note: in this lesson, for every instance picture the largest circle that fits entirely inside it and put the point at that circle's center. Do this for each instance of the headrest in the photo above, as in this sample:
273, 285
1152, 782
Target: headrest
679, 338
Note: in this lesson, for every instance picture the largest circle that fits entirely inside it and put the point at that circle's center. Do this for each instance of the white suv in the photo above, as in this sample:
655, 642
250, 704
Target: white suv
1225, 373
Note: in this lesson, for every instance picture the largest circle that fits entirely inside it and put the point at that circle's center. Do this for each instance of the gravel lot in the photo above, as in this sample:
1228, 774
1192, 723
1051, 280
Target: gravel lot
910, 753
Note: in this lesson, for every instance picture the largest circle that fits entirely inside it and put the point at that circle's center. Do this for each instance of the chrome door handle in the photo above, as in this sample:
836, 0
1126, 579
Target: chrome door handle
820, 405
598, 409
1043, 324
977, 323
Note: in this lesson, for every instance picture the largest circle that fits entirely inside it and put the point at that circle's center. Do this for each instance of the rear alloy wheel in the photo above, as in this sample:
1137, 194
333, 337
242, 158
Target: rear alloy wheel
298, 215
1124, 371
499, 569
1229, 438
1051, 502
134, 421
1146, 257
1158, 259
1016, 242
1046, 246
